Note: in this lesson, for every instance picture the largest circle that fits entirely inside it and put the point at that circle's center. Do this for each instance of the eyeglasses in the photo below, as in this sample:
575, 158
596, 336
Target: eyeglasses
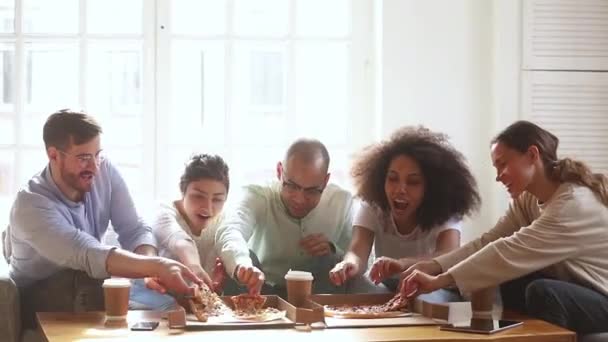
85, 158
312, 192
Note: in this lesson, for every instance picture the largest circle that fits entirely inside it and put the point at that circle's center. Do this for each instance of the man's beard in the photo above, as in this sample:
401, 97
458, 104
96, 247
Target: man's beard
74, 180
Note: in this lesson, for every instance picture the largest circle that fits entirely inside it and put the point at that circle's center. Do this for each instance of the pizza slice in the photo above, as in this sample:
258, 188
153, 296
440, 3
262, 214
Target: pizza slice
393, 308
205, 303
396, 303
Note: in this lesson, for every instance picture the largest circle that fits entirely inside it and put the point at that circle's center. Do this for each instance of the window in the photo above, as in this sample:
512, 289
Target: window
167, 78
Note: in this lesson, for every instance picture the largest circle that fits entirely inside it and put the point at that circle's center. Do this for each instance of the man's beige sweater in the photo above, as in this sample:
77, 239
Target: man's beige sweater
565, 238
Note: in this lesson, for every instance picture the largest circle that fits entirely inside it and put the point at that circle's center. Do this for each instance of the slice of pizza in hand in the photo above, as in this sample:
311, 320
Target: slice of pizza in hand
396, 303
205, 303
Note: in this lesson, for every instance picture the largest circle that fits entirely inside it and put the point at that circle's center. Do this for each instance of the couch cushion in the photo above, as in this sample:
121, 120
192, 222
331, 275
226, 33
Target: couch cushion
10, 324
65, 291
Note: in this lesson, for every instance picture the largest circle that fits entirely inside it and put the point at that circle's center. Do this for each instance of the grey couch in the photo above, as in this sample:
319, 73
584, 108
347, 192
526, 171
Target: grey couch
10, 326
66, 291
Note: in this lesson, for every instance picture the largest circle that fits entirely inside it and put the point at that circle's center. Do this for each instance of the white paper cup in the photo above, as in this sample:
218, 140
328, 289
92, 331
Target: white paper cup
299, 286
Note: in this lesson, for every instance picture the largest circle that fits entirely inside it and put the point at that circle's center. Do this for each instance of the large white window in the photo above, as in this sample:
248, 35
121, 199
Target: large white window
167, 78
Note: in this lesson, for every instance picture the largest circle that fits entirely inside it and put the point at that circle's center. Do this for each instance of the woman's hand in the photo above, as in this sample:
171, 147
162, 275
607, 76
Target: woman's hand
384, 268
430, 267
418, 282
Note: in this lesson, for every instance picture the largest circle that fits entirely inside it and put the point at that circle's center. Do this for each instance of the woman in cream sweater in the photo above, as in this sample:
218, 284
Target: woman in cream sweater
549, 252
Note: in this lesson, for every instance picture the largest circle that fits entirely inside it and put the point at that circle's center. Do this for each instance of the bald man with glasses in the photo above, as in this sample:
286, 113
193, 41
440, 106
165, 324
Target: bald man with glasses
299, 222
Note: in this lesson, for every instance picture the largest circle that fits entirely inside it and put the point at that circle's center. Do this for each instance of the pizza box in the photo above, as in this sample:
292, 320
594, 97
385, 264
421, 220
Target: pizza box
423, 313
180, 319
449, 312
311, 312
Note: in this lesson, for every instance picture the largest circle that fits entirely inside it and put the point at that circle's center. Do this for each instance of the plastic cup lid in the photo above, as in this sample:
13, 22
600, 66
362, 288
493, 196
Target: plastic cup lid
116, 282
298, 275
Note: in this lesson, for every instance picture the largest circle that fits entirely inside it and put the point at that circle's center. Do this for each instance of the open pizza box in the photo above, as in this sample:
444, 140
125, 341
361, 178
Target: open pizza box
182, 320
422, 313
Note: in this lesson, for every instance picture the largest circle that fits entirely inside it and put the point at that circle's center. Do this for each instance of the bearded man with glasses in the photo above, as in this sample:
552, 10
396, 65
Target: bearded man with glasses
59, 219
298, 222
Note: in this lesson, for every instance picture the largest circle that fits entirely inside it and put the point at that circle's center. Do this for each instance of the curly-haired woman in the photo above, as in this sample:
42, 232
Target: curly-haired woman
415, 188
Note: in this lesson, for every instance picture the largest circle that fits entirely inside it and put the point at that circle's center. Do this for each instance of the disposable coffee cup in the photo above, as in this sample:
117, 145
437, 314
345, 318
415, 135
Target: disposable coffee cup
482, 302
299, 286
116, 300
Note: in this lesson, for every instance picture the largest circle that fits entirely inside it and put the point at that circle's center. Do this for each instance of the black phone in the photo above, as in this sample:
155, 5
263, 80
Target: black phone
144, 326
481, 325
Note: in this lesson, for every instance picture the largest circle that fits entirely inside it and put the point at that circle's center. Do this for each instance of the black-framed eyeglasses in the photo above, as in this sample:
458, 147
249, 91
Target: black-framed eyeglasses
311, 192
85, 158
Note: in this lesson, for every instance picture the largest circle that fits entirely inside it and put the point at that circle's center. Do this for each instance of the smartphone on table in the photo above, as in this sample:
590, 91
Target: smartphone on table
144, 326
482, 326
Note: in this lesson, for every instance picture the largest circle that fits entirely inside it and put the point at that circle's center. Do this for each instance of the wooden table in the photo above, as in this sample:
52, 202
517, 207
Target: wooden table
89, 327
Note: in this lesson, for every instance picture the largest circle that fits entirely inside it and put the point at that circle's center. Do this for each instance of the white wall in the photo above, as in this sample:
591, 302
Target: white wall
438, 63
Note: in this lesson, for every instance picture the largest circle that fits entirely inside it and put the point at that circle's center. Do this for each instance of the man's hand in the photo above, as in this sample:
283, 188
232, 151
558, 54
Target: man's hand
343, 271
172, 275
251, 277
316, 245
384, 268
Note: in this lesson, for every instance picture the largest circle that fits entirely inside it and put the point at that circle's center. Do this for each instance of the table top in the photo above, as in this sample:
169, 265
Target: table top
89, 326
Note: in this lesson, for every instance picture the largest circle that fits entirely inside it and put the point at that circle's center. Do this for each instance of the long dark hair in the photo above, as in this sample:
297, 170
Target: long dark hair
523, 134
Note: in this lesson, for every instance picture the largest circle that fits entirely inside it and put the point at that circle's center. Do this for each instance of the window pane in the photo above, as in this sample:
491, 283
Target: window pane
198, 16
51, 77
31, 128
322, 17
7, 165
120, 130
259, 93
7, 189
114, 16
115, 79
262, 17
7, 67
129, 163
322, 88
7, 131
32, 162
253, 166
341, 159
44, 16
7, 16
197, 91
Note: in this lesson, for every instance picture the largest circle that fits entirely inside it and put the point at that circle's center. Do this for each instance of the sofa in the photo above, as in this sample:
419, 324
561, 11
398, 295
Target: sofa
10, 326
66, 291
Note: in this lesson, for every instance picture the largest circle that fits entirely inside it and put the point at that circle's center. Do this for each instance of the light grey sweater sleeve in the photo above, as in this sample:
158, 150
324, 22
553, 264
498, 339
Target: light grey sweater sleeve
35, 219
511, 221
